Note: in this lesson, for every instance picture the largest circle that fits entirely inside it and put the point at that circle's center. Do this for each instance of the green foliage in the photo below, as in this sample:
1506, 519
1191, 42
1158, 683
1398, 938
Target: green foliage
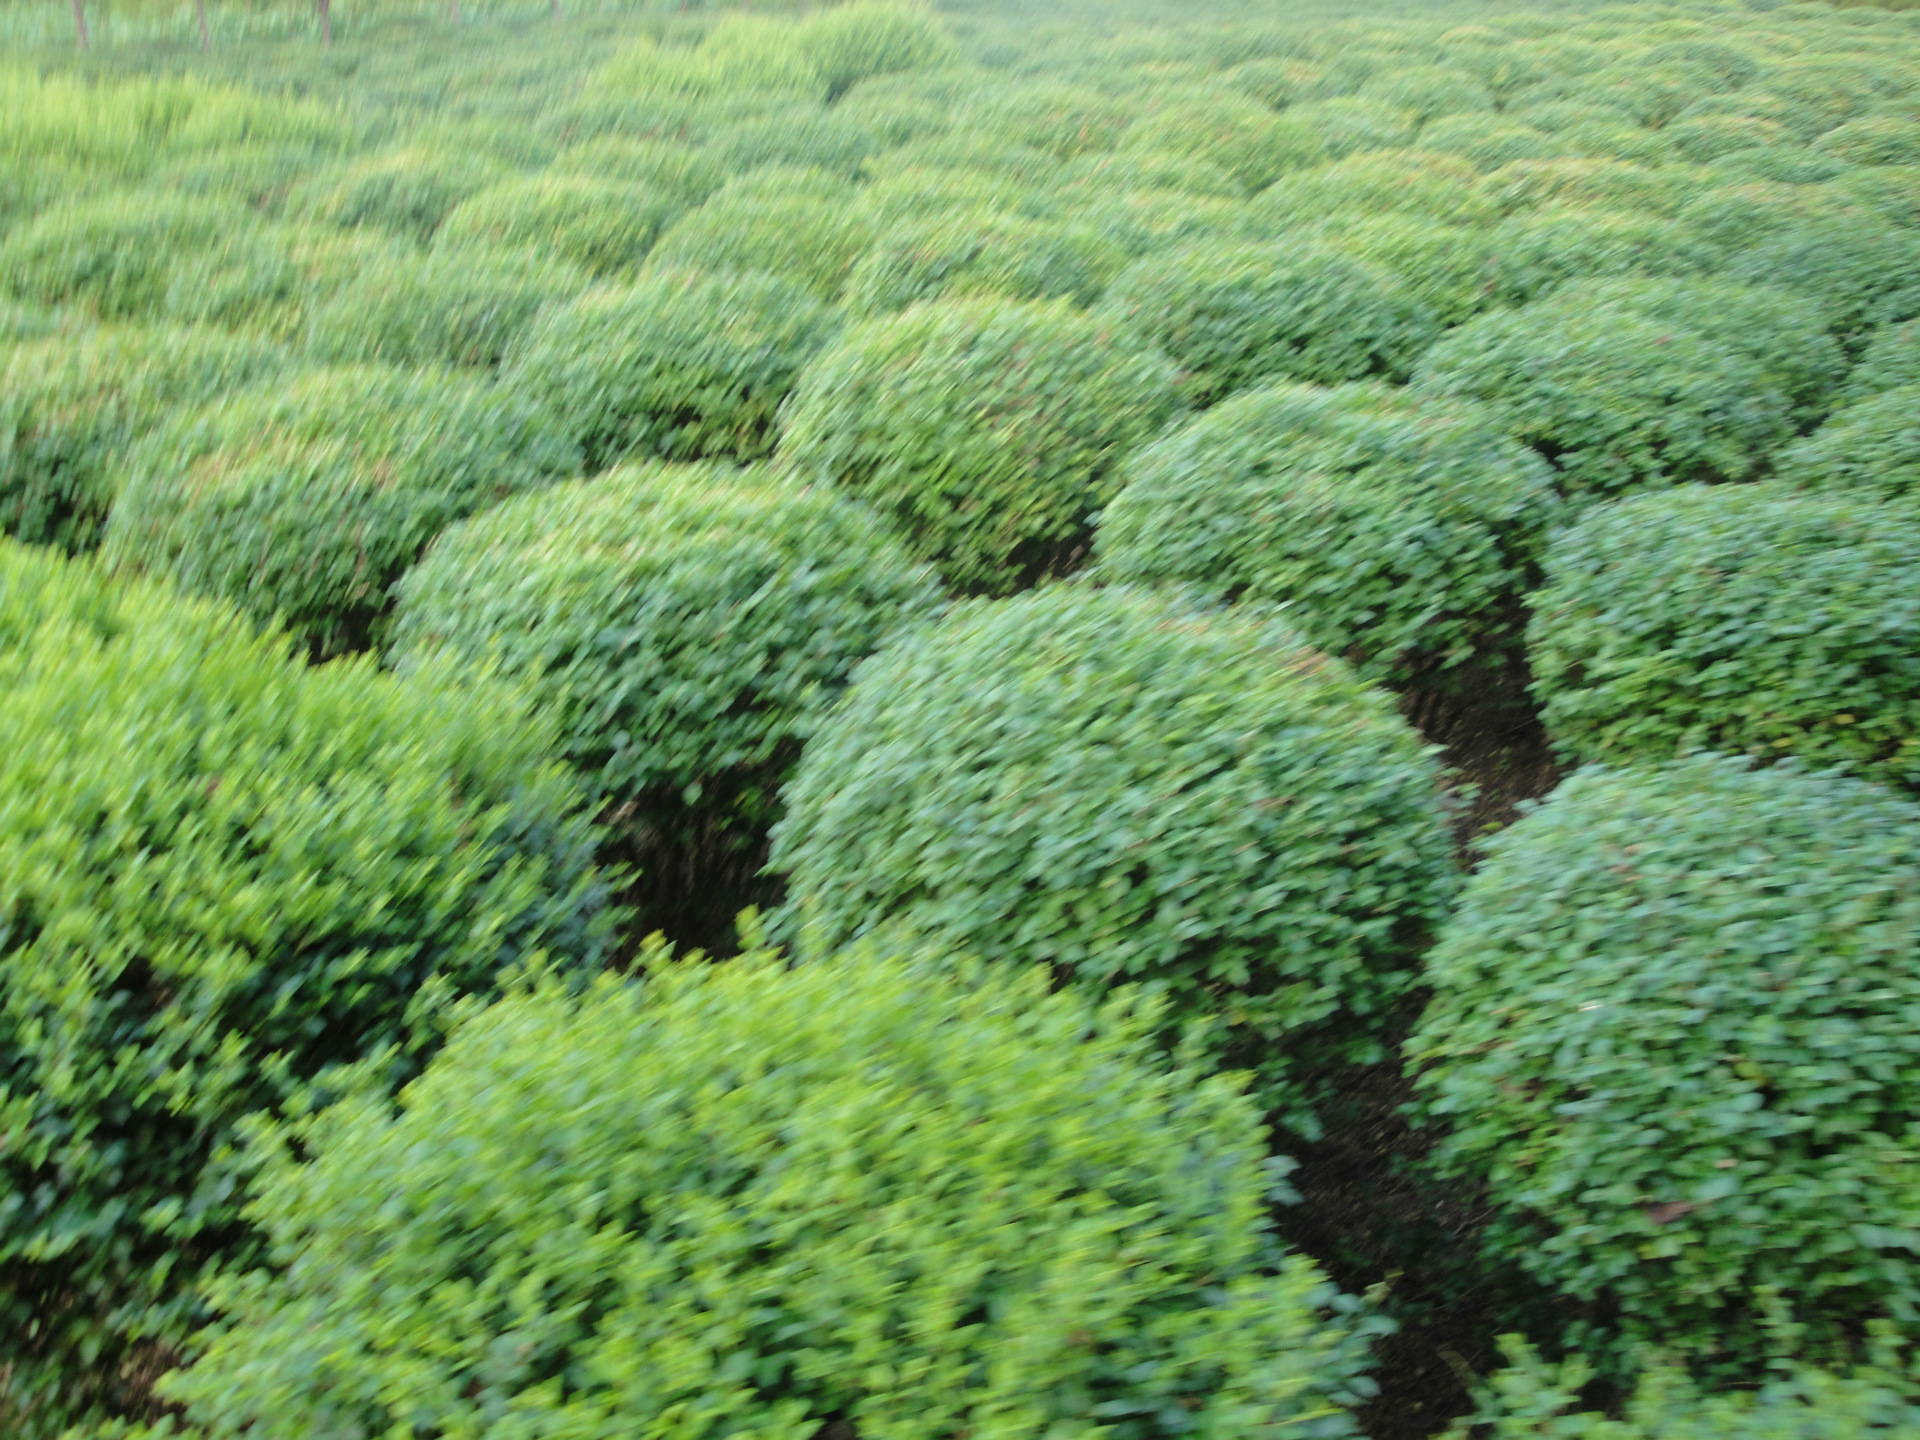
1234, 312
306, 500
1585, 181
1412, 182
1616, 398
804, 134
1891, 361
1870, 449
1671, 1029
681, 365
1455, 271
1335, 128
1733, 216
1488, 142
1428, 91
603, 226
1875, 140
854, 1193
1543, 249
848, 43
224, 872
687, 622
1401, 535
1864, 275
1133, 789
1533, 1399
1064, 119
983, 254
72, 405
657, 166
460, 306
408, 192
988, 431
1246, 139
811, 242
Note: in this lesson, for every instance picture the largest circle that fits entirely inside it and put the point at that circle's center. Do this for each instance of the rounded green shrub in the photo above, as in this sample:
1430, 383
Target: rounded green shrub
1241, 136
462, 306
1400, 535
1455, 271
72, 406
603, 226
686, 621
225, 874
1734, 215
660, 167
1707, 139
408, 192
678, 366
983, 254
1134, 789
1412, 182
1671, 1032
1869, 449
307, 499
1543, 249
988, 431
1745, 620
1614, 398
1428, 91
1062, 118
812, 242
1865, 275
1488, 142
768, 1200
1135, 170
1890, 361
845, 44
898, 109
1587, 182
801, 135
1234, 312
1334, 128
1875, 140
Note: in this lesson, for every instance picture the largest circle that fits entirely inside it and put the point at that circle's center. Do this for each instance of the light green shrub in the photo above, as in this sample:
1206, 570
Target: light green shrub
1064, 119
1734, 216
1488, 142
225, 873
1582, 181
1705, 139
1133, 789
1668, 1031
1453, 270
1869, 449
1411, 182
681, 365
307, 499
117, 255
860, 1119
1543, 249
812, 242
848, 43
1232, 312
896, 109
1428, 92
1875, 140
1399, 535
603, 226
1246, 139
803, 134
1864, 275
657, 166
408, 192
1345, 124
983, 254
988, 431
1105, 174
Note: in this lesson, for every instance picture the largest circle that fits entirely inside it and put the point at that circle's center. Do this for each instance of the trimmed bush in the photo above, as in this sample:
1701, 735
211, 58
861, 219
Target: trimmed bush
812, 242
1869, 449
1244, 138
408, 192
306, 500
983, 254
1134, 789
1104, 175
603, 226
1671, 1031
71, 407
453, 306
1864, 275
1401, 535
1335, 128
1544, 249
225, 873
1232, 312
973, 1207
802, 135
1488, 141
1875, 140
681, 365
1412, 182
1453, 270
687, 622
1733, 216
988, 431
656, 166
1615, 399
1428, 91
1582, 181
1066, 120
1750, 620
1891, 361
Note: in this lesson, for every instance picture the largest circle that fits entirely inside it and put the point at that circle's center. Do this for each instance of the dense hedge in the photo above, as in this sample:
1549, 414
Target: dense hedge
1411, 182
408, 192
660, 167
223, 873
1455, 271
1870, 448
603, 226
1864, 275
1401, 534
989, 431
809, 241
1615, 398
1231, 313
307, 499
851, 1194
456, 305
1670, 1028
1242, 136
1541, 250
983, 254
1890, 361
72, 405
686, 620
1742, 619
1134, 789
680, 365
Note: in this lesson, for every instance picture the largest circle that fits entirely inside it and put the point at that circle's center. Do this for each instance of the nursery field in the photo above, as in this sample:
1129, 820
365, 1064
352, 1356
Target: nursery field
889, 723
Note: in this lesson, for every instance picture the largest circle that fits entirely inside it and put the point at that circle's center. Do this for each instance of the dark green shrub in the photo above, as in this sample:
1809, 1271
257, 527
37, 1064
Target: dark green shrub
224, 873
603, 226
453, 306
812, 242
1133, 789
307, 499
1411, 182
1748, 620
1401, 535
1234, 312
680, 365
1870, 449
1614, 398
988, 431
1734, 215
1864, 275
769, 1199
71, 406
1246, 139
1543, 249
1875, 140
1888, 191
983, 254
273, 284
1891, 361
408, 192
1671, 1030
687, 622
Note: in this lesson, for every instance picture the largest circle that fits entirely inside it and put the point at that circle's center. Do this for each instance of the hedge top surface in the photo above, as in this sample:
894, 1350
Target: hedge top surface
771, 1197
1890, 361
1131, 787
1870, 448
686, 618
1403, 532
1745, 619
1672, 1024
